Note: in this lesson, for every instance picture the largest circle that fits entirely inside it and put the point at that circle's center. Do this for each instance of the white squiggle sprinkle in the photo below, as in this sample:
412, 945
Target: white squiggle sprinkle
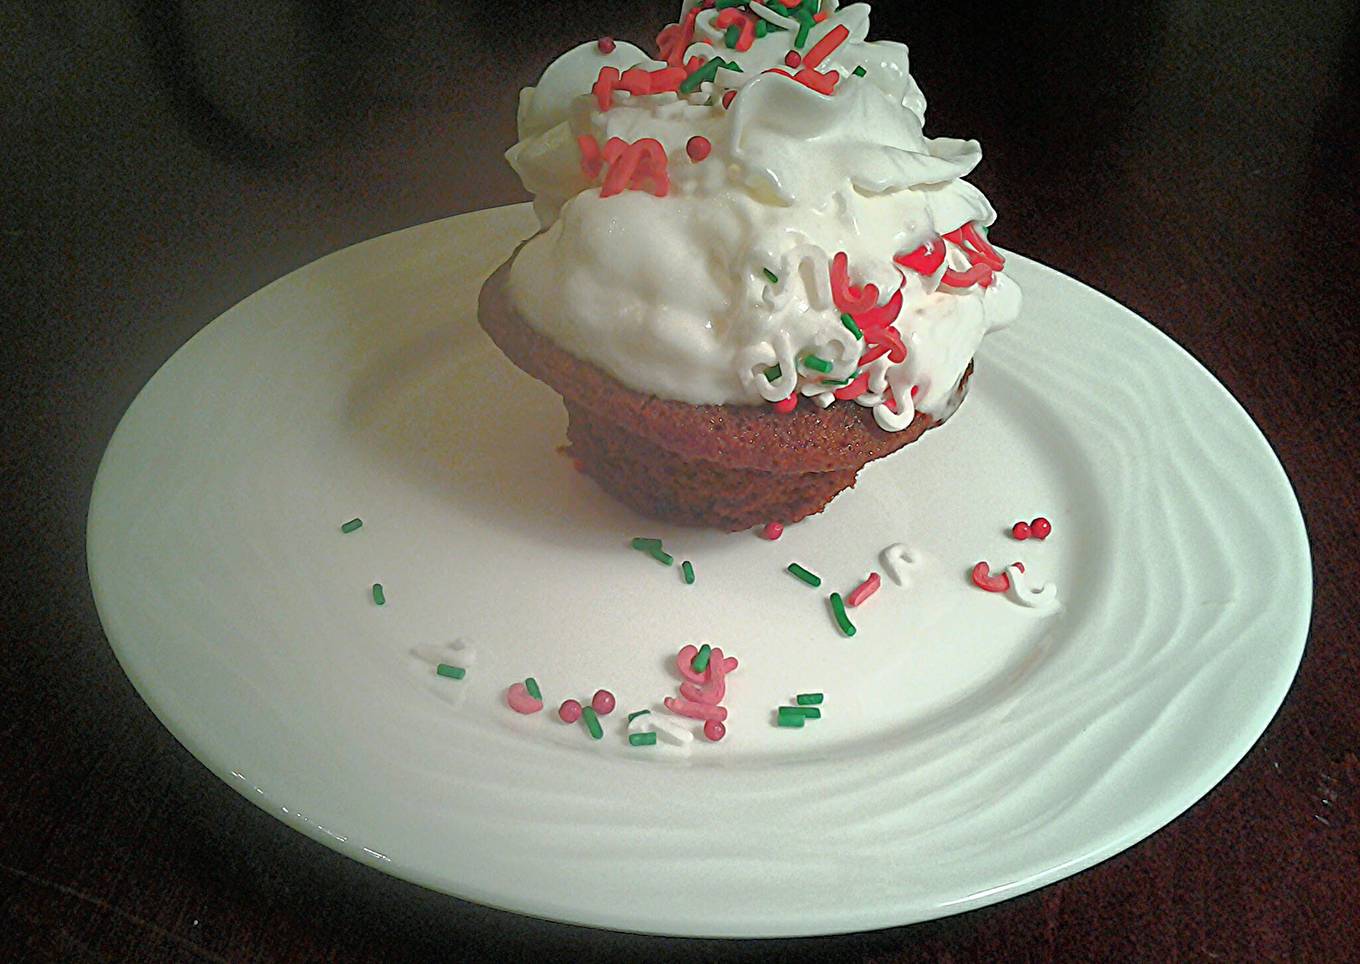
663, 725
900, 562
1043, 600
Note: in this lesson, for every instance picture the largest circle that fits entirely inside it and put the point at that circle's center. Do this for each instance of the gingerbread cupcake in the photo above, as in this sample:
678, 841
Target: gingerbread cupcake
755, 273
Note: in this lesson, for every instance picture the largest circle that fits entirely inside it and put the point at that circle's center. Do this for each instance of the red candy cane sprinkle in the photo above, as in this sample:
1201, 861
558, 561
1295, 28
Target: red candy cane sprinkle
925, 259
772, 531
603, 88
983, 579
848, 298
698, 147
864, 590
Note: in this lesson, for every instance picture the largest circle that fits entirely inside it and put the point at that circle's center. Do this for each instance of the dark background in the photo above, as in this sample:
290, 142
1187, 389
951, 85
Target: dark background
161, 161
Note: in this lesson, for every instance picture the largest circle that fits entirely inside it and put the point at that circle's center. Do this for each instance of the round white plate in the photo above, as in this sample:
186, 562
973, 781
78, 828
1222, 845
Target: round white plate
970, 749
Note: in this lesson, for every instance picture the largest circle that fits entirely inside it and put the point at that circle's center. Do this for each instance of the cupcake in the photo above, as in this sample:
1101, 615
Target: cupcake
755, 273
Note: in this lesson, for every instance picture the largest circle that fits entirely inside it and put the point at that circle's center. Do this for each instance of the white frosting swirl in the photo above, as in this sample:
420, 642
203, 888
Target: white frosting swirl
670, 294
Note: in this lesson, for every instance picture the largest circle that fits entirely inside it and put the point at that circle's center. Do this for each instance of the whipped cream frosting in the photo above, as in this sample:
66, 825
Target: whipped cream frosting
718, 282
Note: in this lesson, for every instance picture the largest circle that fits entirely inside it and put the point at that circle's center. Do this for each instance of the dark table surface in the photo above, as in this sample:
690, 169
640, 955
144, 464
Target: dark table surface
162, 160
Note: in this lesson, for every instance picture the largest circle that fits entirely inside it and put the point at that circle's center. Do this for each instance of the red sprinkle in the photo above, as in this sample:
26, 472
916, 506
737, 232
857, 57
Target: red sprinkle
1040, 528
714, 730
698, 148
855, 389
793, 59
824, 47
603, 702
864, 590
636, 81
569, 711
984, 580
1021, 531
819, 17
604, 87
606, 45
728, 97
772, 530
787, 405
925, 259
820, 82
848, 298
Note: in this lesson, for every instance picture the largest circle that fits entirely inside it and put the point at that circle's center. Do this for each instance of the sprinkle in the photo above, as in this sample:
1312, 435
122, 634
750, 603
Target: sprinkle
772, 530
700, 661
704, 74
698, 147
728, 97
809, 699
379, 597
714, 729
1041, 528
531, 685
786, 405
733, 66
823, 48
731, 36
804, 28
661, 556
773, 279
809, 712
864, 590
592, 722
605, 44
642, 739
603, 702
791, 716
818, 364
853, 328
646, 545
687, 570
859, 71
1020, 531
569, 711
351, 525
724, 4
983, 579
793, 59
842, 620
812, 579
450, 672
636, 713
762, 28
772, 373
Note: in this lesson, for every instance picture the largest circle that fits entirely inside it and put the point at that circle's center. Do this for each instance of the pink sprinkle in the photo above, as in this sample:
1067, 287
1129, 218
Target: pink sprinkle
714, 730
1040, 528
603, 702
569, 711
864, 590
1021, 531
695, 711
606, 45
793, 59
698, 148
772, 531
520, 701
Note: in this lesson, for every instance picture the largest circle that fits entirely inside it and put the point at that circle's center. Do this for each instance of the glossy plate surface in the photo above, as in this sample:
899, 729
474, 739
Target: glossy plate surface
970, 749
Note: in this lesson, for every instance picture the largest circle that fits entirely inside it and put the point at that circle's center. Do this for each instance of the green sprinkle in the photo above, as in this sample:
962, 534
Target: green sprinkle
838, 607
700, 661
703, 75
809, 712
636, 713
791, 716
804, 28
378, 596
770, 276
773, 372
731, 37
724, 4
452, 672
351, 525
812, 579
665, 558
642, 739
762, 28
849, 323
687, 571
733, 66
646, 545
818, 364
592, 722
531, 685
859, 71
835, 382
809, 699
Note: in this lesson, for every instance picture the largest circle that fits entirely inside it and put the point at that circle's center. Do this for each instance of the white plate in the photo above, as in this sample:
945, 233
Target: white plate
970, 750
